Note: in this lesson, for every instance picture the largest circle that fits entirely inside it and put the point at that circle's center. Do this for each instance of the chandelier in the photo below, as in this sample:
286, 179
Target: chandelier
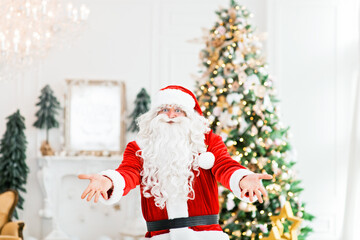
29, 28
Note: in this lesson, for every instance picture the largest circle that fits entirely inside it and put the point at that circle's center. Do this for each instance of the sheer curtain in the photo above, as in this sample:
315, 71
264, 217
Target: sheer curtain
351, 226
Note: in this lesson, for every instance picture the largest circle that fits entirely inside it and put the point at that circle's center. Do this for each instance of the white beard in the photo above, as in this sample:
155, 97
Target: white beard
170, 156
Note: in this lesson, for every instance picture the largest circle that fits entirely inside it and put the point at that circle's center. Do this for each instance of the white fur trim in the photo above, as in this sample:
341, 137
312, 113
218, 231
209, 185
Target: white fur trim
206, 160
189, 234
173, 96
119, 185
234, 184
177, 208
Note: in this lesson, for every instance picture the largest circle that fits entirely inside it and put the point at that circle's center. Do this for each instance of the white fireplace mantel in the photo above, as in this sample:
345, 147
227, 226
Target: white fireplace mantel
72, 218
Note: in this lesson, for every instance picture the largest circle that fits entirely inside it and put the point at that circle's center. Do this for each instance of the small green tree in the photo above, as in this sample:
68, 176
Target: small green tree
13, 168
142, 103
48, 109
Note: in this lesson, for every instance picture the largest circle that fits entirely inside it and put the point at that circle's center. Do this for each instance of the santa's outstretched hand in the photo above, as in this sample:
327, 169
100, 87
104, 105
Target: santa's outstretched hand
98, 185
252, 184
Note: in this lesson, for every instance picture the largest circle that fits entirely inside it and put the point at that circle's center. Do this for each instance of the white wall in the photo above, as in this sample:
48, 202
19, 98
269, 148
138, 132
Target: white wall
145, 44
313, 49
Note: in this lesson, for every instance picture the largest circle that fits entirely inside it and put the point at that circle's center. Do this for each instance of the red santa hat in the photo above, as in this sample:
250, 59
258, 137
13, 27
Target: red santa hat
177, 95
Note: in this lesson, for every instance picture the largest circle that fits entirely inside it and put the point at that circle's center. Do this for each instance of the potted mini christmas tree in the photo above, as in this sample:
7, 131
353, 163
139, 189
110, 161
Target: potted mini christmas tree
13, 168
46, 117
142, 103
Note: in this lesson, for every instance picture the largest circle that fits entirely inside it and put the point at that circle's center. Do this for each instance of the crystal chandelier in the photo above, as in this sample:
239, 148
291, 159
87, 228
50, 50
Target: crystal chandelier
29, 28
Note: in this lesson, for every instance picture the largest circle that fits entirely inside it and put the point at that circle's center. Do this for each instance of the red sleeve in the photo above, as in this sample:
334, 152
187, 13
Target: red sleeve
224, 165
130, 167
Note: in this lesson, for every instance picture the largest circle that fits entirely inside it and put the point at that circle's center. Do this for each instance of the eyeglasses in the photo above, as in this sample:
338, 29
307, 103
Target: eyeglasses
175, 109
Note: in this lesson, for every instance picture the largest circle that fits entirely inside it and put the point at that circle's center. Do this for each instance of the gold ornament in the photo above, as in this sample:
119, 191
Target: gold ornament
232, 14
217, 42
228, 69
235, 86
222, 103
277, 231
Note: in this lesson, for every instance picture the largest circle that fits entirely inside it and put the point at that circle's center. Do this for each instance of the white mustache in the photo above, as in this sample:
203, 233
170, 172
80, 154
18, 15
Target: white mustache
165, 118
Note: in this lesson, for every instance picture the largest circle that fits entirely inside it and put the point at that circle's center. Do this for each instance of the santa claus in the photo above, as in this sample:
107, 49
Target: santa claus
177, 161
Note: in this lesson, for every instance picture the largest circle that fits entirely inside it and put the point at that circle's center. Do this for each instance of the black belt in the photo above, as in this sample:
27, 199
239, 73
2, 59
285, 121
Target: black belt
182, 222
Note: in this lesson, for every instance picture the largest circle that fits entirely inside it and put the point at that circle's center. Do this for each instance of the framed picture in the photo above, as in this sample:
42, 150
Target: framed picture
95, 117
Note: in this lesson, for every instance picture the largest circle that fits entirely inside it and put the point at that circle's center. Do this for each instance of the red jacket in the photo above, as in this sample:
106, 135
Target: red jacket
204, 185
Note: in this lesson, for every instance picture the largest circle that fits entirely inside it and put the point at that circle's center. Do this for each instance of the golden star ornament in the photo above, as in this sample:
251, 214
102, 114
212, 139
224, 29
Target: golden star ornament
277, 231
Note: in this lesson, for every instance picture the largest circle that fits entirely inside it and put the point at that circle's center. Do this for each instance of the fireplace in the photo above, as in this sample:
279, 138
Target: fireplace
65, 216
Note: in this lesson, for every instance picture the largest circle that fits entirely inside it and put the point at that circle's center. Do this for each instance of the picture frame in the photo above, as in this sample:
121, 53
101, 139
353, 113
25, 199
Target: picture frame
95, 117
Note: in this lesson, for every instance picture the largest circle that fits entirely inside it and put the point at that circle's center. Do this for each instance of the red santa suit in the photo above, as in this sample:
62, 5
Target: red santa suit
224, 170
216, 165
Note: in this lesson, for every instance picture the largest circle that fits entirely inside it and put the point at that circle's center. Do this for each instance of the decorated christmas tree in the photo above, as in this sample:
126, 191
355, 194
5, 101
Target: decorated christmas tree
238, 97
142, 103
13, 168
46, 116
